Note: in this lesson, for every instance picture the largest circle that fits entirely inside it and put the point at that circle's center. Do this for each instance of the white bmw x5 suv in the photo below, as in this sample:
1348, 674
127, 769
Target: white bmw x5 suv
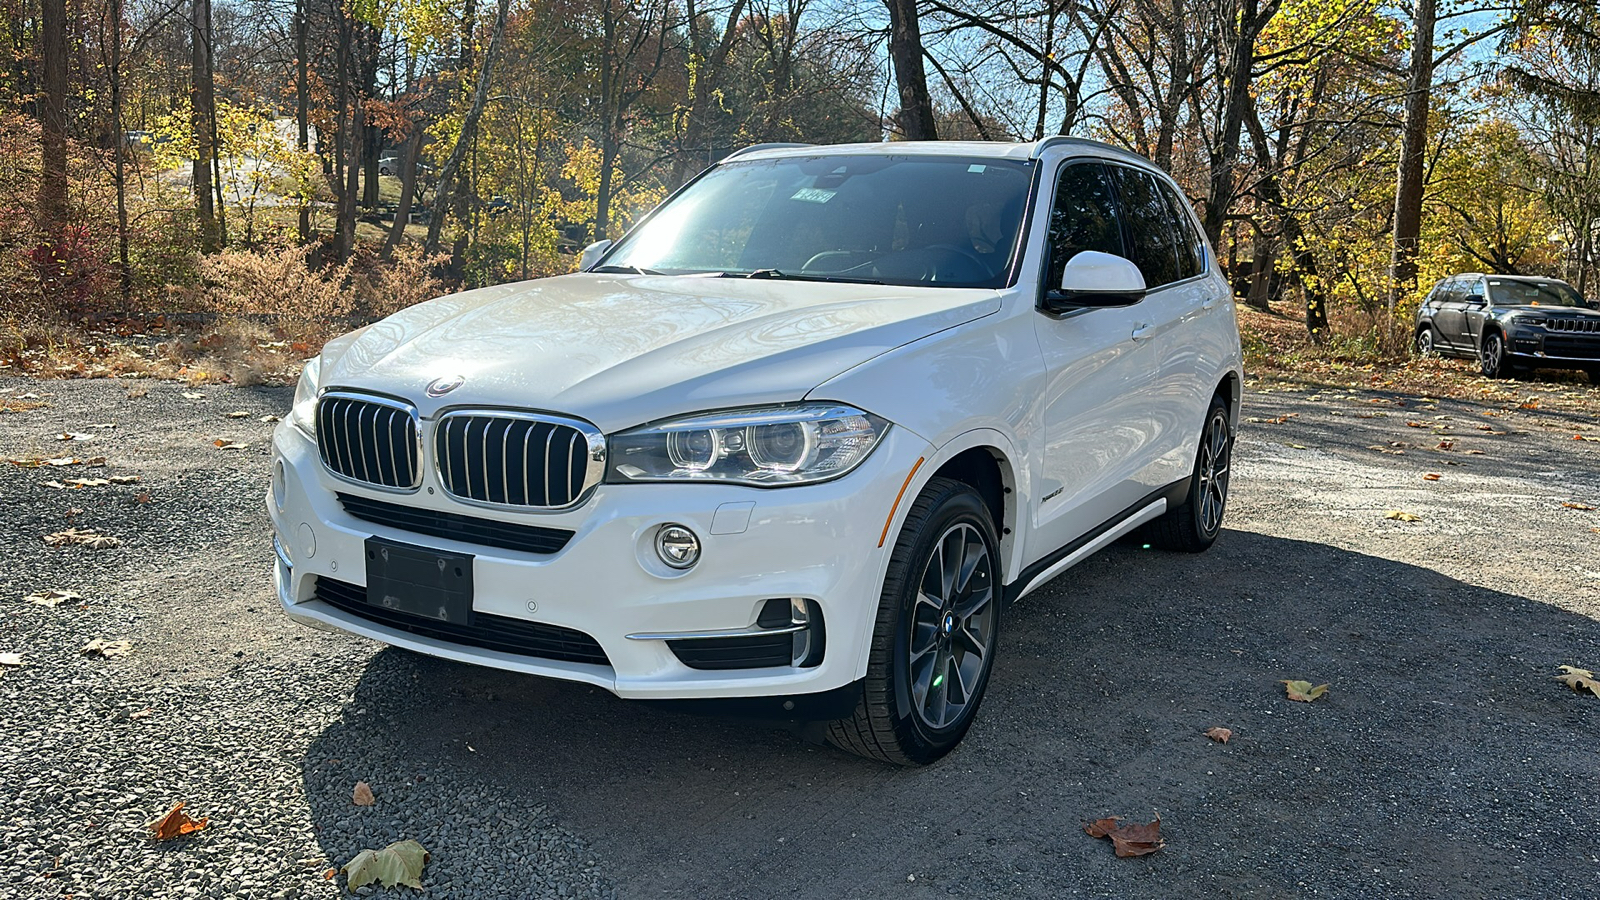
792, 444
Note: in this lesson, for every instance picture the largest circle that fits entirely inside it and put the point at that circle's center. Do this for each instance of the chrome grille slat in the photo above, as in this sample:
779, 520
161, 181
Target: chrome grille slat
527, 444
369, 440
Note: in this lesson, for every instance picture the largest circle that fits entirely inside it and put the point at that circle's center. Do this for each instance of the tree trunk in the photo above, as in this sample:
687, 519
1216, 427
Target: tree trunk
1413, 148
302, 106
53, 119
202, 116
1242, 34
1292, 232
119, 144
469, 127
905, 52
408, 190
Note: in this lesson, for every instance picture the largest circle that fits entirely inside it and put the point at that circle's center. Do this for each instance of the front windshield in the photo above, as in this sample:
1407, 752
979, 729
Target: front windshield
929, 220
1536, 293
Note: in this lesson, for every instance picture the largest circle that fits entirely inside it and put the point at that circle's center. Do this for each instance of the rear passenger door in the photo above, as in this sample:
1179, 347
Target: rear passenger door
1180, 346
1449, 316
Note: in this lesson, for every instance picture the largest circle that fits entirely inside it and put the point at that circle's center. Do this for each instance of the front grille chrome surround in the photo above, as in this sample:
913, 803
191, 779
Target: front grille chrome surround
370, 440
509, 459
1581, 326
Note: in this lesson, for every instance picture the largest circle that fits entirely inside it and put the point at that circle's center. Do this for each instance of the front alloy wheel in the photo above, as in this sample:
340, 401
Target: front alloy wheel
1493, 358
934, 641
1425, 346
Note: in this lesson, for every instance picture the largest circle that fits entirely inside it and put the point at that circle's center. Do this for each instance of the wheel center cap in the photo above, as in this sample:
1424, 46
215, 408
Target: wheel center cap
949, 623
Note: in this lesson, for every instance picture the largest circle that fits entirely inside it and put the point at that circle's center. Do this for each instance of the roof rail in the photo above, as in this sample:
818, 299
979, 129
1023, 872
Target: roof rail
1057, 140
754, 147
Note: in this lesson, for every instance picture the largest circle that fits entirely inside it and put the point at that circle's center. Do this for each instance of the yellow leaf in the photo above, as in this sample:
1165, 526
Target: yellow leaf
1401, 515
1303, 691
1579, 680
399, 863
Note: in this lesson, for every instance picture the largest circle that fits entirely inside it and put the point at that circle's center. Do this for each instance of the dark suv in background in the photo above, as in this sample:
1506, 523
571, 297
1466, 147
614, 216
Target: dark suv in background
1510, 323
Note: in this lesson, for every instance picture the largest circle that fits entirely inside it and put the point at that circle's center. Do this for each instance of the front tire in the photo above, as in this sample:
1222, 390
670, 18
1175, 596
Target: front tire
934, 642
1493, 358
1193, 526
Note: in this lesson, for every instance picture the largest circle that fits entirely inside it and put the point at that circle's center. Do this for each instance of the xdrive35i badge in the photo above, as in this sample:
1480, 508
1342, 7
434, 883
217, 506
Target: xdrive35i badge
441, 386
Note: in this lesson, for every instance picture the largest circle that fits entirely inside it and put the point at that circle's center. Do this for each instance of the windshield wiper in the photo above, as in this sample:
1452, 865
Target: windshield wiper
797, 276
624, 270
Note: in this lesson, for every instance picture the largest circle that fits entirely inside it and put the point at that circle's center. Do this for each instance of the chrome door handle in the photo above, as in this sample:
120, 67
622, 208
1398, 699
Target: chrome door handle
1140, 332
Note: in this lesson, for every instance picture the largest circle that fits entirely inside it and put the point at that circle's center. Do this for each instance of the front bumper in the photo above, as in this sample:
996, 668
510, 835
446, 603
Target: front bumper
817, 543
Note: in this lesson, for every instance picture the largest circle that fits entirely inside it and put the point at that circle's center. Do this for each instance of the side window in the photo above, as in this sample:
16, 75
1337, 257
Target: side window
1473, 291
1191, 256
1153, 239
1083, 217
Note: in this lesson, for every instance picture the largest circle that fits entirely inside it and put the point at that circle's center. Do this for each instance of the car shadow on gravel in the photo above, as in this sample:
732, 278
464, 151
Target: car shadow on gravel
1444, 761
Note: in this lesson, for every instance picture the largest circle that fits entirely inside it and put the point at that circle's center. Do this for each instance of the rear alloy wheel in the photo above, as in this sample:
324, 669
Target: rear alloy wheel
934, 642
1194, 525
1425, 345
1493, 358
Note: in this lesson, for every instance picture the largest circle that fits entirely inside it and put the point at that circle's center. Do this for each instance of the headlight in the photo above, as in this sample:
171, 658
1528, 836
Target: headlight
767, 447
1526, 321
303, 415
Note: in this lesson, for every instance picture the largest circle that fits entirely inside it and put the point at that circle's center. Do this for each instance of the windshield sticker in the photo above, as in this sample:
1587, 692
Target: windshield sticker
813, 195
976, 168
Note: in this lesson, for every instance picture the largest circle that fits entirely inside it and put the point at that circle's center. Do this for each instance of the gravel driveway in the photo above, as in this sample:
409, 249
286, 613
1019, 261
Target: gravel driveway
1444, 762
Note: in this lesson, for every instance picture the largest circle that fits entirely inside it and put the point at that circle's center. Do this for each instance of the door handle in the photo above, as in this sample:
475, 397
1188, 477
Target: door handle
1208, 303
1141, 331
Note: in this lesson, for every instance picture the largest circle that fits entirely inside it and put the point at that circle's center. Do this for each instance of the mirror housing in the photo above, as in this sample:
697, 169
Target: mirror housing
592, 253
1094, 280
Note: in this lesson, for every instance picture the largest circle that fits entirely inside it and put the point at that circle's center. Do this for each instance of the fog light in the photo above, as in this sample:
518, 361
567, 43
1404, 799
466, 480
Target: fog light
677, 546
280, 487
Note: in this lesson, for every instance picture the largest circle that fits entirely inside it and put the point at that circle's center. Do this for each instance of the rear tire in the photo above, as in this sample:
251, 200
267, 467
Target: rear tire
936, 634
1194, 525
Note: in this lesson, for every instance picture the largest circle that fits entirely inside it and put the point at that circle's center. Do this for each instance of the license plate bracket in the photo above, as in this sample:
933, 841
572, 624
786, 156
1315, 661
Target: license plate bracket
419, 581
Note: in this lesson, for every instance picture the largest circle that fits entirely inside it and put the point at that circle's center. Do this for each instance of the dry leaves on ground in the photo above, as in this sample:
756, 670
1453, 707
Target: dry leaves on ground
11, 660
221, 444
107, 649
1401, 515
72, 436
193, 395
1128, 840
1303, 691
399, 863
86, 537
175, 823
237, 414
1432, 476
51, 598
1219, 734
362, 795
1579, 680
1576, 506
36, 462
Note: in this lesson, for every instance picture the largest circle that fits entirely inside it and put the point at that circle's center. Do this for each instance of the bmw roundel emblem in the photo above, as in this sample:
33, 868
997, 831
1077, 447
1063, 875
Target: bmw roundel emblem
441, 386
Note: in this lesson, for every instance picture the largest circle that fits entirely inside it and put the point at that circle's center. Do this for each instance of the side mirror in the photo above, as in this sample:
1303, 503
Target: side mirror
592, 253
1095, 279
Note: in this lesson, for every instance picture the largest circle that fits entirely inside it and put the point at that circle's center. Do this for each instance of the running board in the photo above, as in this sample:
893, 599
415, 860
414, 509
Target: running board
1105, 538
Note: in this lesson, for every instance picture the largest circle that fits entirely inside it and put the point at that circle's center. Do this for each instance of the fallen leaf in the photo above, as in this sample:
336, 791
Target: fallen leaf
1128, 840
1219, 734
1579, 680
1413, 424
221, 444
1303, 691
1474, 452
51, 598
193, 395
362, 796
269, 418
237, 414
141, 714
329, 875
89, 482
1446, 445
399, 863
1579, 437
86, 537
1530, 403
107, 649
1432, 476
1402, 516
10, 659
124, 479
1577, 506
104, 425
55, 484
72, 436
175, 823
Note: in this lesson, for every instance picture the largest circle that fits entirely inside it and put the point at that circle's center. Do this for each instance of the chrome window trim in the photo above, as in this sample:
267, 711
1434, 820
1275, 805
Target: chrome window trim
594, 471
401, 406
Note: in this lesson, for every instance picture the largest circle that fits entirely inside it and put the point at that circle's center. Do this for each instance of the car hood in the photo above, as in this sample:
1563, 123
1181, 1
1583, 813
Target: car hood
1554, 311
621, 350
